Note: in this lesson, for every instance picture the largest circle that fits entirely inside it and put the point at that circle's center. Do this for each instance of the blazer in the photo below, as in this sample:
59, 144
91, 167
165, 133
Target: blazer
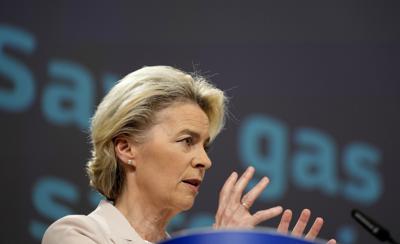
105, 225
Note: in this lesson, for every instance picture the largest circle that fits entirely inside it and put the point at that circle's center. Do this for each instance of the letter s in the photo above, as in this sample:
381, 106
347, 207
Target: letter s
45, 194
359, 160
21, 95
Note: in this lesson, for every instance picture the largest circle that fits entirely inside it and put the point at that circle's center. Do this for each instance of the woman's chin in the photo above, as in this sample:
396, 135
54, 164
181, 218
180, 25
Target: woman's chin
186, 204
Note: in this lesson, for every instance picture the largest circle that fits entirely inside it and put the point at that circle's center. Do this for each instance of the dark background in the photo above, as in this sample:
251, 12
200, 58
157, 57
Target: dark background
328, 66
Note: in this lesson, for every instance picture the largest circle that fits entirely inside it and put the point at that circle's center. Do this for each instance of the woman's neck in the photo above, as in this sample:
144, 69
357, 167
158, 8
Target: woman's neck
148, 220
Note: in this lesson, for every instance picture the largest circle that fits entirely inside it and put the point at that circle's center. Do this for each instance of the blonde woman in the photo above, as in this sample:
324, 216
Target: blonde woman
150, 136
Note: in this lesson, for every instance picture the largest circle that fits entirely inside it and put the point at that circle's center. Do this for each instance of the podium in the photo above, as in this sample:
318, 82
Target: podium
256, 236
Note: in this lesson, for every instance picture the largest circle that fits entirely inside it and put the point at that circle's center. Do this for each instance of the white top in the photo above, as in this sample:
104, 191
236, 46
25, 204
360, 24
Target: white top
105, 225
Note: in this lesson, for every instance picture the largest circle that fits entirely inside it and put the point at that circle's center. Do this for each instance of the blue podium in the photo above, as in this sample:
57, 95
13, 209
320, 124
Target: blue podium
234, 237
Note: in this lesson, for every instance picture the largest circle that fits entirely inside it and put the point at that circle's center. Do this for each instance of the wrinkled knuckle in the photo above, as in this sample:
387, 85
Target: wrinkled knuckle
246, 176
235, 190
314, 232
245, 198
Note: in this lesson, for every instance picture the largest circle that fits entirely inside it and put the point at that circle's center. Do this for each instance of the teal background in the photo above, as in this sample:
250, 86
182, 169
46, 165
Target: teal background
314, 102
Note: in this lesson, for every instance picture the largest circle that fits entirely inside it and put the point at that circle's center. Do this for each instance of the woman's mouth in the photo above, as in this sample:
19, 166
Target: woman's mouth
194, 184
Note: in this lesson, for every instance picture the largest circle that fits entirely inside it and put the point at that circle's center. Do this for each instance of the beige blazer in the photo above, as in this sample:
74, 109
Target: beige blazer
104, 225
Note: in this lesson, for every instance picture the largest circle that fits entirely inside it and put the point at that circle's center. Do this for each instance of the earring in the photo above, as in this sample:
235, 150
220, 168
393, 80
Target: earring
130, 162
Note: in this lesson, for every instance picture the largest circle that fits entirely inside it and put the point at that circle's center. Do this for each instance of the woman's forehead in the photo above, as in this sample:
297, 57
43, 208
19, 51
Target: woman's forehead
183, 116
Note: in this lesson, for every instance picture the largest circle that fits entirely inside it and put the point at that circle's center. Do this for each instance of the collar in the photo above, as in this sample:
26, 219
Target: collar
112, 220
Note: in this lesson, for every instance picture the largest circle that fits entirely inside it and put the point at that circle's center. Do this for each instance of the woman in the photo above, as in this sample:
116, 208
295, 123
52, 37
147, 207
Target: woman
150, 136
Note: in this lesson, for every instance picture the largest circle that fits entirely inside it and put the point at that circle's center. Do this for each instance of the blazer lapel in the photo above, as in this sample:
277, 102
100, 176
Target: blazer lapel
115, 224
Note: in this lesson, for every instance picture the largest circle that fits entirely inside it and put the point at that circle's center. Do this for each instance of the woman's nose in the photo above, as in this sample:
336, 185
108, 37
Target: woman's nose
202, 160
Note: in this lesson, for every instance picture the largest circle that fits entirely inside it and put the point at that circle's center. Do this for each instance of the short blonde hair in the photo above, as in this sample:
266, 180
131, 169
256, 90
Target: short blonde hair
129, 109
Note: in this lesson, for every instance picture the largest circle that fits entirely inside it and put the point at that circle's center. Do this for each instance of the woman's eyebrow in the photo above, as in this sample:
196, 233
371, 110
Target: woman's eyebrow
194, 134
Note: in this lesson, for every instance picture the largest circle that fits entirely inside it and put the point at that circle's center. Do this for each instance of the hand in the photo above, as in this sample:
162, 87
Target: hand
233, 209
301, 225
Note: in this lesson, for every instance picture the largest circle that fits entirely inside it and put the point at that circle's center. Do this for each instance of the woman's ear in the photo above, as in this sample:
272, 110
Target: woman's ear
125, 150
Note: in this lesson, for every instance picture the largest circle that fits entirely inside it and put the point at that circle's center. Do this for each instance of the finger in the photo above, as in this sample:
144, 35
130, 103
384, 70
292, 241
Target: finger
227, 187
301, 223
266, 214
331, 241
241, 185
253, 194
224, 195
283, 226
315, 228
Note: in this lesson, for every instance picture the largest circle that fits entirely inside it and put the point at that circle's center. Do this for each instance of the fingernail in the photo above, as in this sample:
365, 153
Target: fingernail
288, 211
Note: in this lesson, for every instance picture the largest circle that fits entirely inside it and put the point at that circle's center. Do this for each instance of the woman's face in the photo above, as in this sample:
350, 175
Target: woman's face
172, 161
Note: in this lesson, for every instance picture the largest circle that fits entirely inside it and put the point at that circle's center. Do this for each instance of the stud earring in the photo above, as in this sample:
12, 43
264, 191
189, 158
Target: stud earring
130, 162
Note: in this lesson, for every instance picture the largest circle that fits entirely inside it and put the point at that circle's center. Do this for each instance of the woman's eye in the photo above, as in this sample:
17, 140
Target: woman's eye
188, 141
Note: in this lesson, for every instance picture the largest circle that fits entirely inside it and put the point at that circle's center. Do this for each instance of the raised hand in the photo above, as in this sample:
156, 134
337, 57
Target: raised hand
233, 209
301, 224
